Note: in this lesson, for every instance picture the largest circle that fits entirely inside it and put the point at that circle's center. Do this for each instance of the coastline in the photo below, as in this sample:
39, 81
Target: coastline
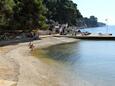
28, 70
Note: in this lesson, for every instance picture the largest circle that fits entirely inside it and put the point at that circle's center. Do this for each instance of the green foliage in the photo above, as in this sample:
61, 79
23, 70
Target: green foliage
32, 14
5, 12
91, 22
63, 11
27, 14
44, 26
42, 23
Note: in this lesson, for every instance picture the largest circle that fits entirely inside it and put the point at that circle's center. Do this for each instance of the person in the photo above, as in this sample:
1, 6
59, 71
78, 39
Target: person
79, 31
31, 46
60, 30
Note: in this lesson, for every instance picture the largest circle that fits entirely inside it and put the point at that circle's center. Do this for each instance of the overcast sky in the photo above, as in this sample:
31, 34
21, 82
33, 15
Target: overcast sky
102, 9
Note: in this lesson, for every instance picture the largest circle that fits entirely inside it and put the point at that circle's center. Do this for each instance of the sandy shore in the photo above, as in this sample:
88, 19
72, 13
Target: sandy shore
19, 68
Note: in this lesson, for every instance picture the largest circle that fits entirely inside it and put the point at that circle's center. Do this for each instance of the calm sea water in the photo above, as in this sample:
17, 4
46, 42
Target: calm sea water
105, 29
86, 63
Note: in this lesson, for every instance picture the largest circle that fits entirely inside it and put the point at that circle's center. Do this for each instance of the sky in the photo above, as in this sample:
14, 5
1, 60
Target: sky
102, 9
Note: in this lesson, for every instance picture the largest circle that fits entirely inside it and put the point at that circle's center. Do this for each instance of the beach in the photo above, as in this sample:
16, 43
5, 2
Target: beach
19, 68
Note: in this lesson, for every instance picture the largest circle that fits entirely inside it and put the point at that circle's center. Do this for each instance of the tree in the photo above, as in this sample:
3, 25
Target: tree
31, 14
28, 14
5, 12
63, 11
91, 22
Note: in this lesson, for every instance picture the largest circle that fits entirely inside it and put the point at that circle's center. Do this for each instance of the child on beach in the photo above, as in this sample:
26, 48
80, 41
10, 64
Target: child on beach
31, 46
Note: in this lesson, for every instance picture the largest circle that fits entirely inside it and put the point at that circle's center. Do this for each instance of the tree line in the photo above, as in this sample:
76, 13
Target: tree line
34, 14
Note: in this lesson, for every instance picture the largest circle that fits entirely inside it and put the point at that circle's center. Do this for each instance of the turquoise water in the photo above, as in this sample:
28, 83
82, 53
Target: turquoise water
89, 63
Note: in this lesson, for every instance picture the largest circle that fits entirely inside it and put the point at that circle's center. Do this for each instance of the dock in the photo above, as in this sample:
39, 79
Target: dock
90, 37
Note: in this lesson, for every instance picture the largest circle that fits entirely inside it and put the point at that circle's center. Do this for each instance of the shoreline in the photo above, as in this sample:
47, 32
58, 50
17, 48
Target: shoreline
30, 70
52, 41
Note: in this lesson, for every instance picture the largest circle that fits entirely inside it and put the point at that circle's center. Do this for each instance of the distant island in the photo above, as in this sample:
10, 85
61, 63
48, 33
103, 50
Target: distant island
100, 24
93, 22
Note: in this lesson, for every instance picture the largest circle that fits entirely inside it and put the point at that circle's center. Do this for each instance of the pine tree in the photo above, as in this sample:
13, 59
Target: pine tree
62, 11
5, 11
28, 14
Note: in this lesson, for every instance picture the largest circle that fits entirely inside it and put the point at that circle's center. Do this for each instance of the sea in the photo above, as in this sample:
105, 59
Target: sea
83, 63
